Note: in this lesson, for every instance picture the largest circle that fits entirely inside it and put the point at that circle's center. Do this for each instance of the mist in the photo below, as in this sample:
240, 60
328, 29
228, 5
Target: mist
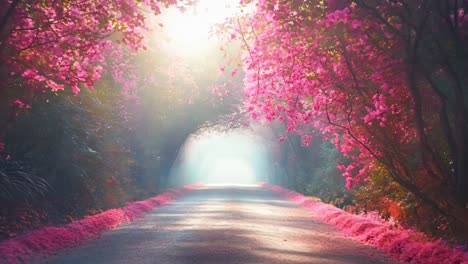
234, 157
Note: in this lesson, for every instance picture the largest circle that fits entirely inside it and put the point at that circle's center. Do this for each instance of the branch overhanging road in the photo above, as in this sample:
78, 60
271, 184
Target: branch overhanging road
225, 225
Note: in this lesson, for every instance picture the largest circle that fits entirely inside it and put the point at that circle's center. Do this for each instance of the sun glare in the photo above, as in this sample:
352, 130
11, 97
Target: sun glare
189, 31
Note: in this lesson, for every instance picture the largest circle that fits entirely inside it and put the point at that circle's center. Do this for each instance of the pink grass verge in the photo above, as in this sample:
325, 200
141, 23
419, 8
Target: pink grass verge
405, 246
49, 240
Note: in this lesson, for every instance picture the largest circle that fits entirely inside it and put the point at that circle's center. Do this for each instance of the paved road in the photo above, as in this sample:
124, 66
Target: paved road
223, 225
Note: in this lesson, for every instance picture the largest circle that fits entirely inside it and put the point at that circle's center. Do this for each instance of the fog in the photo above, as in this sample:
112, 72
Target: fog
236, 157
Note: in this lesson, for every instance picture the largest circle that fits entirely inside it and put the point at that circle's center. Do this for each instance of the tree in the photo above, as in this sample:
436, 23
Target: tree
56, 45
381, 80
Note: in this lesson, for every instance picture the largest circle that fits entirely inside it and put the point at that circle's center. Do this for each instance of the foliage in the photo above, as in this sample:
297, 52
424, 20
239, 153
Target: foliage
382, 80
56, 45
78, 149
74, 36
383, 195
311, 169
21, 216
18, 181
326, 180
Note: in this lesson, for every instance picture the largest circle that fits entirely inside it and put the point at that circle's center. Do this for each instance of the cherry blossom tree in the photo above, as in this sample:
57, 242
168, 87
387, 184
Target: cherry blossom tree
382, 80
58, 45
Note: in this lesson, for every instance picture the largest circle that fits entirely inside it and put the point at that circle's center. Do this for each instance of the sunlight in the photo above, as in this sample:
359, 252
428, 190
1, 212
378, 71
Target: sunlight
189, 31
235, 158
231, 171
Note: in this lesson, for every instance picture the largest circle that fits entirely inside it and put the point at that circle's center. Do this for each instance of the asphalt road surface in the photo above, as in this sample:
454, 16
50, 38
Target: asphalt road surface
223, 225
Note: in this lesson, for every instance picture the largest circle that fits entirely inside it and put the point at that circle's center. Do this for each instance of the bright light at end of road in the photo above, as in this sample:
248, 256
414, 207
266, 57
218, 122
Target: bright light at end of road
232, 171
236, 158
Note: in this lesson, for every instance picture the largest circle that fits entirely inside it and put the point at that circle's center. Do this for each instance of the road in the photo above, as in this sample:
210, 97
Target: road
223, 225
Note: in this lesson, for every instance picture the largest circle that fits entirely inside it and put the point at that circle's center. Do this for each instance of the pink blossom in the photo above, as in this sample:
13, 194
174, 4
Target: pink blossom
75, 89
356, 24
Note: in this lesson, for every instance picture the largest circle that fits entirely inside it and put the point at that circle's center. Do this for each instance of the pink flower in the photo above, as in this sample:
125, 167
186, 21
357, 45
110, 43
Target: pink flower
356, 24
29, 74
75, 89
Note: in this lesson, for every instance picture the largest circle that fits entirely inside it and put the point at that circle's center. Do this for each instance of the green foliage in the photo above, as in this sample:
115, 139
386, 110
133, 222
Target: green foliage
312, 170
77, 145
383, 195
19, 182
325, 180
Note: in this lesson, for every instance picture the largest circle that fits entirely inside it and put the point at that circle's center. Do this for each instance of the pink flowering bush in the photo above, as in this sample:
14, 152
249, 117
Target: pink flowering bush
51, 239
404, 245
